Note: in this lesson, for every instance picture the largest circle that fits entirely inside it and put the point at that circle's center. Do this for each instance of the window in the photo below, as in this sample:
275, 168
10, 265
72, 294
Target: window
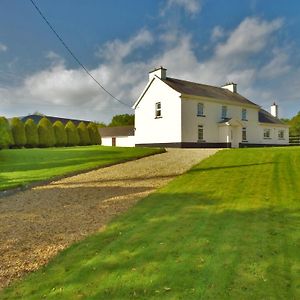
224, 112
244, 134
158, 110
267, 133
281, 134
200, 110
200, 133
244, 114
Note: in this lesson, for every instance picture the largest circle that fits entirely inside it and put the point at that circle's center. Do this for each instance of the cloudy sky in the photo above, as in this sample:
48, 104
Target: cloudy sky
254, 43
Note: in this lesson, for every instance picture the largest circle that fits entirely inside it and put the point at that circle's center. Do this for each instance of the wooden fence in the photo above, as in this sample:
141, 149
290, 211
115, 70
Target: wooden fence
295, 140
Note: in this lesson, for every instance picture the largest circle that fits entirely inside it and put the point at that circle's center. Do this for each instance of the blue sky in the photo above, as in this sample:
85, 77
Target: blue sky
254, 43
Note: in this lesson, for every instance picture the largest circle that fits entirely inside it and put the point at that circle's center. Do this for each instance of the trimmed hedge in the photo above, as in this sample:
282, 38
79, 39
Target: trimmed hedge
18, 132
46, 133
72, 134
94, 134
6, 138
31, 132
60, 134
84, 135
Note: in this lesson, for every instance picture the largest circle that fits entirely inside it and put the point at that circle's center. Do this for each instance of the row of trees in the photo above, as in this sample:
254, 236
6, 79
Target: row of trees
16, 134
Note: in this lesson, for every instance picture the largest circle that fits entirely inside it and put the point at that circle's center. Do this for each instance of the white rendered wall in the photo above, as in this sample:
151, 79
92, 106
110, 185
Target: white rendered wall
121, 141
106, 141
166, 129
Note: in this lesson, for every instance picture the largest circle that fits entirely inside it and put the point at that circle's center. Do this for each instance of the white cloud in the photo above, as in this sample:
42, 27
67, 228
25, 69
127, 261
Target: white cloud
190, 6
217, 33
3, 47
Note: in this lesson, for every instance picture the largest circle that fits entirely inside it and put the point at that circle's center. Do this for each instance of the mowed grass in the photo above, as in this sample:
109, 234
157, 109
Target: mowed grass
228, 229
19, 167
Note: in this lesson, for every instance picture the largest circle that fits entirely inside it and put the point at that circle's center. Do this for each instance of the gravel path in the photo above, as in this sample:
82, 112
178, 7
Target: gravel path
37, 223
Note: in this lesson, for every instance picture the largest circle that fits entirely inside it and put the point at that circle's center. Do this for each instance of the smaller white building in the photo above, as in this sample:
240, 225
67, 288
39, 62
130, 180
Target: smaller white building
121, 136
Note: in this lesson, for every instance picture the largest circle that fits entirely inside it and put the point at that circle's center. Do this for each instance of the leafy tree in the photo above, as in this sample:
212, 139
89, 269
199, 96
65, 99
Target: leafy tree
18, 132
94, 134
83, 134
295, 125
46, 133
122, 120
72, 134
6, 138
60, 134
31, 132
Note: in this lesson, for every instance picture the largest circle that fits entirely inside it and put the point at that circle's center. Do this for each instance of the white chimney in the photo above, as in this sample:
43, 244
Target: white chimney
274, 110
232, 87
159, 72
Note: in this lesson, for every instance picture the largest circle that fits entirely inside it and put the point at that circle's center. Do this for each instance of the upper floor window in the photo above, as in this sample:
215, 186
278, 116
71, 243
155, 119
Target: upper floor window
281, 134
200, 133
200, 109
267, 133
244, 134
244, 114
224, 112
158, 110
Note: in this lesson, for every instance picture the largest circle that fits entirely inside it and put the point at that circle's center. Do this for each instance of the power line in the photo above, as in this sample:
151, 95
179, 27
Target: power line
74, 56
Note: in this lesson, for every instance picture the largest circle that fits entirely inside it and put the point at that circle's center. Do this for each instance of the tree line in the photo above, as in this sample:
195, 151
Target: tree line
16, 134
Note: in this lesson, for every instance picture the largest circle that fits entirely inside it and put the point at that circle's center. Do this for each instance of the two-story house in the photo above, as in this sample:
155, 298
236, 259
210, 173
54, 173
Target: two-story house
177, 113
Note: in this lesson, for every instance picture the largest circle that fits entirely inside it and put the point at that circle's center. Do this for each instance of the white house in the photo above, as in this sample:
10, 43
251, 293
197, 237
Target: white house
122, 136
177, 113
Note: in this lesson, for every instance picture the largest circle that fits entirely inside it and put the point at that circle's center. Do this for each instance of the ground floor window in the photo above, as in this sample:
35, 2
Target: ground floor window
267, 133
244, 134
281, 134
200, 133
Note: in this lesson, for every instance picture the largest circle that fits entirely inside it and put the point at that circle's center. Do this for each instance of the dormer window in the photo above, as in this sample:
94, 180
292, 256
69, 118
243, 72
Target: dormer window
244, 114
200, 110
158, 110
224, 112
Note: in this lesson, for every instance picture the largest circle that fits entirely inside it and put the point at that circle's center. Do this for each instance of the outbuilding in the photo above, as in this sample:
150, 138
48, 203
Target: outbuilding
121, 136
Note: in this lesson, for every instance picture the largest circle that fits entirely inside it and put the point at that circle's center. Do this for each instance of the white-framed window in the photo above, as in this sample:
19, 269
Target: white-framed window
200, 133
281, 134
267, 133
244, 134
224, 112
200, 109
158, 110
244, 114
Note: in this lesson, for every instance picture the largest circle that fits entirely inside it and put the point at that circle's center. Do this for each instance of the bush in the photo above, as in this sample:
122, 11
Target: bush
83, 134
46, 133
31, 132
18, 132
6, 138
72, 134
60, 134
94, 134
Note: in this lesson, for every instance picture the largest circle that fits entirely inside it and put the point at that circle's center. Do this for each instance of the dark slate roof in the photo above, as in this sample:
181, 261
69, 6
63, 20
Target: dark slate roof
266, 117
117, 131
197, 89
36, 119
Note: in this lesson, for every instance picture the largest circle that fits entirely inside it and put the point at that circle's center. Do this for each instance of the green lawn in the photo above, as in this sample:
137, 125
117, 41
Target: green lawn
228, 229
22, 166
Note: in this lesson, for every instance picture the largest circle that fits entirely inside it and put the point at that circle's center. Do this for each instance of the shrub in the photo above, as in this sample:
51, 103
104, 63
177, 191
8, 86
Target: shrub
31, 132
94, 134
46, 133
18, 132
83, 134
60, 134
6, 138
72, 134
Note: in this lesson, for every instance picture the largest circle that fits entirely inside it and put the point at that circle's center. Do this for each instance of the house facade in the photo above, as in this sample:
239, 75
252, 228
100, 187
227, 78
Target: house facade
176, 113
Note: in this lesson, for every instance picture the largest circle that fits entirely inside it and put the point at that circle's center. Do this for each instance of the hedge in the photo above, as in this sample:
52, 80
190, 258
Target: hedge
31, 132
18, 132
6, 138
72, 134
94, 134
46, 133
60, 134
84, 135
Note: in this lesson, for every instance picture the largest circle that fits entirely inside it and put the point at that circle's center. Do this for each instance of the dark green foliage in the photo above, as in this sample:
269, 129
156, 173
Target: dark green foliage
6, 138
31, 132
83, 134
122, 120
72, 134
18, 132
94, 134
46, 133
295, 125
60, 134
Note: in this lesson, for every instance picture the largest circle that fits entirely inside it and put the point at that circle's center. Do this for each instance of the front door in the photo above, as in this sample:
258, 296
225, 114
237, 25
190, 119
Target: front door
235, 136
113, 141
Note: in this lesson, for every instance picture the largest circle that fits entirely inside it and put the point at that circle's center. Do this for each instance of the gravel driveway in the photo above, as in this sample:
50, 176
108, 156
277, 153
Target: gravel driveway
37, 223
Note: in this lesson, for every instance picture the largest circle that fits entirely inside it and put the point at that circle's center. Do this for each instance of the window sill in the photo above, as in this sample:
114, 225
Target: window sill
266, 138
245, 141
201, 141
245, 120
158, 117
201, 115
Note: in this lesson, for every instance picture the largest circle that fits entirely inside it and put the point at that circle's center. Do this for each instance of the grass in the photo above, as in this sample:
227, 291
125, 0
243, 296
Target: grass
20, 167
228, 229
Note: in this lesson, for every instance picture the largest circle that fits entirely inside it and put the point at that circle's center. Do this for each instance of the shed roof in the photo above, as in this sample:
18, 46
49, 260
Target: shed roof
117, 131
